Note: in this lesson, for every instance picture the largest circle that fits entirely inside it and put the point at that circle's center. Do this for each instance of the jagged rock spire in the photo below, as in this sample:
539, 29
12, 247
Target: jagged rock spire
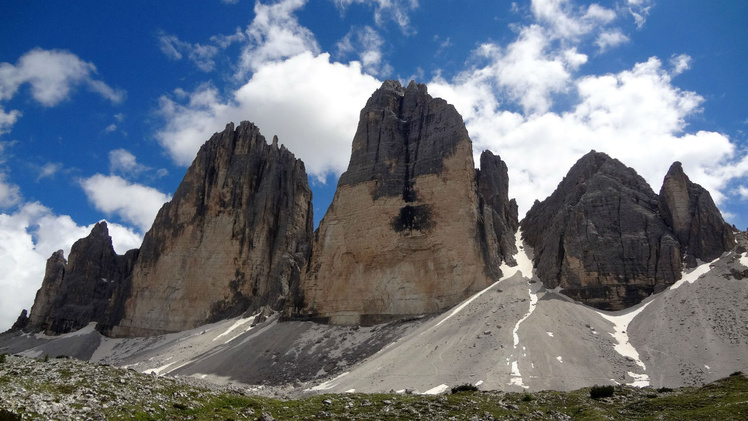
691, 213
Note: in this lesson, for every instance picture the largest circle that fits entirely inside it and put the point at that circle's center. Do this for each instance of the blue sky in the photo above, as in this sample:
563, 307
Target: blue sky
103, 105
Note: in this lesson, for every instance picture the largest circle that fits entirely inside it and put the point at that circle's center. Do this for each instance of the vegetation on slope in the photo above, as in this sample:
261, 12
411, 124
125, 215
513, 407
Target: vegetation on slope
68, 389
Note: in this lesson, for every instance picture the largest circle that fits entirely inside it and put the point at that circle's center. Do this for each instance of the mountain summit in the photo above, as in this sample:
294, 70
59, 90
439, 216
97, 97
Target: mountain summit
408, 231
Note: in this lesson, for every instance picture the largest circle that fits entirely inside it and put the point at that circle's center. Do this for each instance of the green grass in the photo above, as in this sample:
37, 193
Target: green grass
723, 400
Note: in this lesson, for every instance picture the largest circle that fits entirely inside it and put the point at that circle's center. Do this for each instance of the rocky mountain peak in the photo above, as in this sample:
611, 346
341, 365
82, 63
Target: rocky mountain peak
599, 236
691, 213
86, 288
235, 237
408, 232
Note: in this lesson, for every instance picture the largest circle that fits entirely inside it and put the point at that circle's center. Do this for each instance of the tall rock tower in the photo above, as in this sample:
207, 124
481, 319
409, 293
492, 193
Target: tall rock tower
691, 213
406, 233
87, 288
235, 236
600, 237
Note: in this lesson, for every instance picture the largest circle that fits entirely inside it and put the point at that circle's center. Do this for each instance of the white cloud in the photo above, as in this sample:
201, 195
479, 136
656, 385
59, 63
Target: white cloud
321, 98
639, 10
49, 170
52, 75
275, 34
566, 21
742, 191
10, 194
528, 70
621, 114
8, 119
110, 128
230, 1
28, 237
610, 39
201, 56
123, 162
395, 10
134, 203
680, 63
367, 44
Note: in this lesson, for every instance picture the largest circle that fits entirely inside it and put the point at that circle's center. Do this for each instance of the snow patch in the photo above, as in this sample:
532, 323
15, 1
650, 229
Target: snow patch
235, 326
550, 334
437, 390
480, 382
561, 360
524, 267
516, 379
744, 260
328, 384
640, 380
693, 275
621, 321
350, 391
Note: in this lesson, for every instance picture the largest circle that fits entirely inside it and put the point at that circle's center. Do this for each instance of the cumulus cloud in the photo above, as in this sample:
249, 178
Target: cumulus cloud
680, 64
529, 71
275, 34
52, 75
564, 20
526, 100
121, 161
8, 119
367, 44
610, 39
621, 114
384, 10
28, 237
321, 98
134, 203
10, 194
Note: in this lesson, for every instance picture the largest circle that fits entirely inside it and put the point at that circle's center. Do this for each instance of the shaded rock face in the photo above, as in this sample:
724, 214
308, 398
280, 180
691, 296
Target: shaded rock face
499, 219
87, 288
235, 237
691, 213
407, 232
599, 236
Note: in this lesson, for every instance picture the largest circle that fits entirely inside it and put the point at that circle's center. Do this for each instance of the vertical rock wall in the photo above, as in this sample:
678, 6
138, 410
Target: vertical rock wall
691, 213
401, 237
599, 236
77, 292
235, 237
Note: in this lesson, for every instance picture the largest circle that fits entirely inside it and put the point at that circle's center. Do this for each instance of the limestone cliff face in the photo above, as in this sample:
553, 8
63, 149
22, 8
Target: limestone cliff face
402, 234
235, 237
499, 219
691, 213
82, 290
600, 237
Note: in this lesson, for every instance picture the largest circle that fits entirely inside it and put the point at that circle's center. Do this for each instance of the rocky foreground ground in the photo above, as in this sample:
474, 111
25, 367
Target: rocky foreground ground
67, 389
